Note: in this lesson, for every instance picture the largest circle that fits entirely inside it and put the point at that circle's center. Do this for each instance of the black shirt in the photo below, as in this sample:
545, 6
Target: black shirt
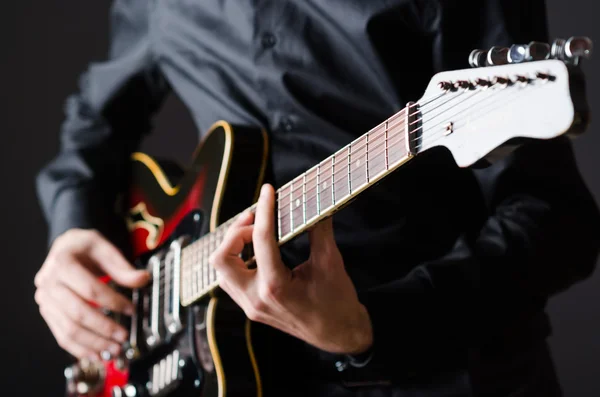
454, 265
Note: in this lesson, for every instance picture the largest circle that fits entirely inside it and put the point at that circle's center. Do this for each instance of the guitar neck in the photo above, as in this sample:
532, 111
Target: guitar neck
315, 194
531, 100
327, 187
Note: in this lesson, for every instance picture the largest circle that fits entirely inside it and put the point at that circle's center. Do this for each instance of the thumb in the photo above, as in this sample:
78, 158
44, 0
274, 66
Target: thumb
116, 266
322, 239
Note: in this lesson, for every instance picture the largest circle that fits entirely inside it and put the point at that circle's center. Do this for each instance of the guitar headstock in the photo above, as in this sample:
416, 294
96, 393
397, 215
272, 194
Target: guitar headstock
533, 91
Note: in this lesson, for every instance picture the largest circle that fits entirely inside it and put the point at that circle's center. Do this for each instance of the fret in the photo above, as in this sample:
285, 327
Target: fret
291, 206
284, 213
319, 189
218, 233
304, 198
333, 180
367, 158
359, 163
341, 187
205, 253
205, 264
201, 265
296, 203
212, 274
376, 162
182, 274
197, 269
278, 201
195, 265
325, 185
204, 267
349, 149
387, 166
211, 247
187, 275
312, 194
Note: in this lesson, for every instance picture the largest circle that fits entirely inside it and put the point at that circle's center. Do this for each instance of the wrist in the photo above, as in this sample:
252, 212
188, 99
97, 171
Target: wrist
361, 336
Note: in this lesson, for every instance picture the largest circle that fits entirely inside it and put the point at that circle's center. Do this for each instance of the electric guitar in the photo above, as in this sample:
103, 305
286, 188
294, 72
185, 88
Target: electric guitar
186, 338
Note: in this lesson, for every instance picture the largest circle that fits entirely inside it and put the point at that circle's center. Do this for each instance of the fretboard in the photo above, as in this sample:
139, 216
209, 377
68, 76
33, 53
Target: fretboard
313, 195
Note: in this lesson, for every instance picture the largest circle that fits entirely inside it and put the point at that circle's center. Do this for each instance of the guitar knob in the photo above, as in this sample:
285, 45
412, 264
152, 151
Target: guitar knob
85, 377
497, 56
517, 53
537, 51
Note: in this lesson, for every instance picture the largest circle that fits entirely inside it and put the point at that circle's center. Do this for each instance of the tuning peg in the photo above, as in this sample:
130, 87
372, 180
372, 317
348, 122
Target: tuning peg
497, 56
537, 51
579, 47
477, 58
572, 50
517, 53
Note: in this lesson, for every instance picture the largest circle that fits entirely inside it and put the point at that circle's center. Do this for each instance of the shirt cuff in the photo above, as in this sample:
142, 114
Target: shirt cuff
82, 209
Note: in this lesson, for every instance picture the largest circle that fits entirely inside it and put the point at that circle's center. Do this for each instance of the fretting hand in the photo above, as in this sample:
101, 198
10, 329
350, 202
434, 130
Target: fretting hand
316, 302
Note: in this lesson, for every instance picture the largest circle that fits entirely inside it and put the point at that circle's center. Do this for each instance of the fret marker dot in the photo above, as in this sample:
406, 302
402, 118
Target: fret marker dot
324, 185
357, 163
297, 203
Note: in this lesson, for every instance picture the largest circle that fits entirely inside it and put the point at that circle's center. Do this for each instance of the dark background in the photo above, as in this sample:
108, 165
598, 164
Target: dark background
44, 46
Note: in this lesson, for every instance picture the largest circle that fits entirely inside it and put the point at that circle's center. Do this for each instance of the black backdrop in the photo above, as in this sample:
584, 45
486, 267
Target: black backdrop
44, 45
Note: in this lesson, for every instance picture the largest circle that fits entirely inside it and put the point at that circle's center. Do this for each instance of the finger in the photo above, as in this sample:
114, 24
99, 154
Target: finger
227, 261
322, 238
110, 260
245, 218
82, 313
73, 333
56, 328
266, 250
86, 285
236, 239
43, 274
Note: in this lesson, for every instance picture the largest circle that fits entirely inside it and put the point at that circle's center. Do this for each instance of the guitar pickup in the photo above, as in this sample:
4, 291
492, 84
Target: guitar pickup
172, 290
153, 321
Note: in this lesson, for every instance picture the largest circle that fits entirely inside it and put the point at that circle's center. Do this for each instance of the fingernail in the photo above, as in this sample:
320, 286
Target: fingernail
264, 190
120, 336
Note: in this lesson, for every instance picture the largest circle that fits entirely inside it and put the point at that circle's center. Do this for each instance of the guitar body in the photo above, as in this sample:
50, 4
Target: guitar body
214, 341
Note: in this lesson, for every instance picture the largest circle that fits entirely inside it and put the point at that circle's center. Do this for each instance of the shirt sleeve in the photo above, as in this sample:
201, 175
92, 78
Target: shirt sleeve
541, 237
104, 123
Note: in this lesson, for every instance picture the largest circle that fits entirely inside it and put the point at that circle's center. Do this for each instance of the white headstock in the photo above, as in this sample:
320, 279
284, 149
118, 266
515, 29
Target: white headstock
473, 112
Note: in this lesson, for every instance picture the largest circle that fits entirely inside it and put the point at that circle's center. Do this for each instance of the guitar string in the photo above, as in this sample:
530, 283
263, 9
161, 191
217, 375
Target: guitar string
392, 133
343, 181
422, 103
435, 135
361, 176
400, 141
350, 147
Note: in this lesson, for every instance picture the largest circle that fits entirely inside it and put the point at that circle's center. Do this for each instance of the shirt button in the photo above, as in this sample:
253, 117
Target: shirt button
286, 124
268, 40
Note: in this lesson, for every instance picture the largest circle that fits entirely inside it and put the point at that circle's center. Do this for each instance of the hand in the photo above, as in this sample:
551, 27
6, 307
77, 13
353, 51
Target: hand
316, 302
69, 279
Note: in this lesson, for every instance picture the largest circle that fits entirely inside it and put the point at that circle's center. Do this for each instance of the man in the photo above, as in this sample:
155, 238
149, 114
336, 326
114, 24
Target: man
433, 283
